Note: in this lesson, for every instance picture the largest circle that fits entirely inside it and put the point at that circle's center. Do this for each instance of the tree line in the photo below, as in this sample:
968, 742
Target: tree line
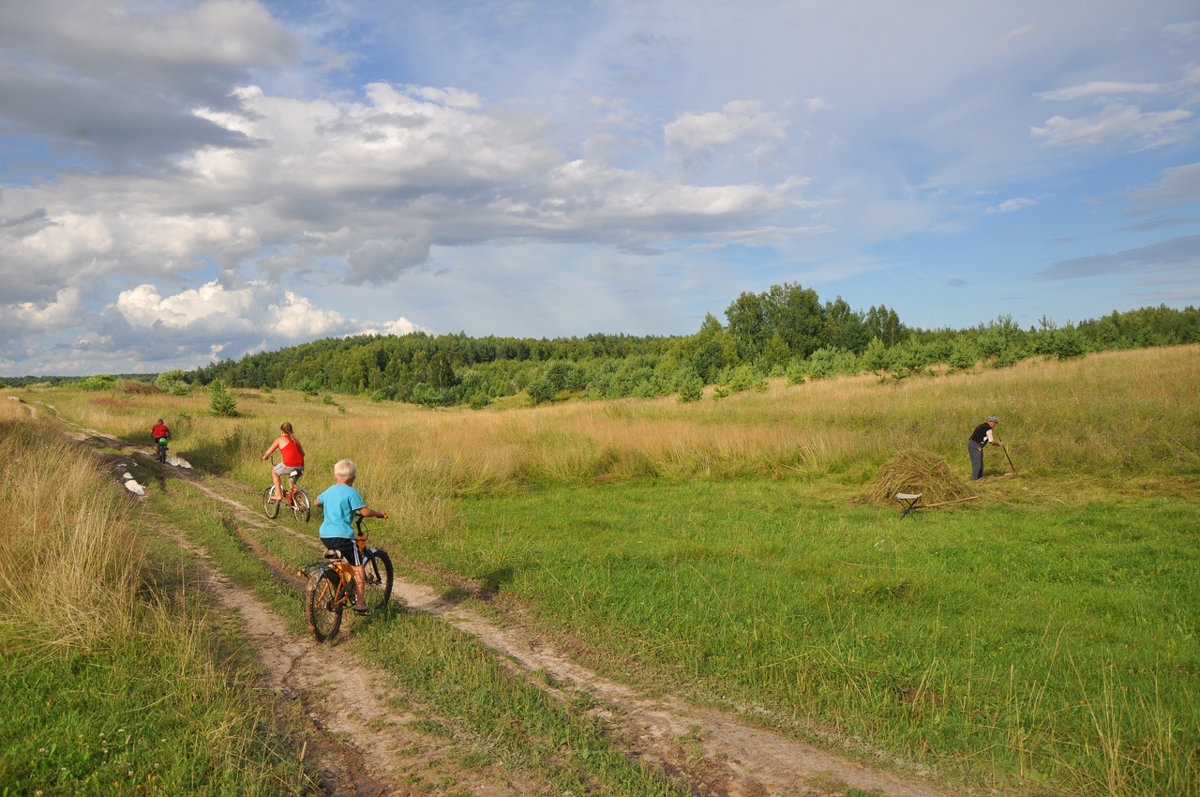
785, 331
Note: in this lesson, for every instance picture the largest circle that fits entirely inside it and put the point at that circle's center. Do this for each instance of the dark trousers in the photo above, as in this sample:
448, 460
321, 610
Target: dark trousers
976, 452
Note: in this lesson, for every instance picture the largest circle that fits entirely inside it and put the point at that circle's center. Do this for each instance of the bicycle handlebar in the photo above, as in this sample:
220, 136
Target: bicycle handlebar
358, 521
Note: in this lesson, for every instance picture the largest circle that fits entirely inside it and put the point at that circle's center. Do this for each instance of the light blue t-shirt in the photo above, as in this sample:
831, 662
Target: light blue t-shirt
340, 501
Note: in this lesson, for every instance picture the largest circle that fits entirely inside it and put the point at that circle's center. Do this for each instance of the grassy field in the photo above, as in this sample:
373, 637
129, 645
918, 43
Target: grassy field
1042, 639
113, 678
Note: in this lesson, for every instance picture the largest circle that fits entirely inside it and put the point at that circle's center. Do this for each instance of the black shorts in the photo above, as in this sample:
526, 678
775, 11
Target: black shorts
348, 547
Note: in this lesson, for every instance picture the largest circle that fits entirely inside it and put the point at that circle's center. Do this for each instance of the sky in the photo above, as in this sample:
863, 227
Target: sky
183, 182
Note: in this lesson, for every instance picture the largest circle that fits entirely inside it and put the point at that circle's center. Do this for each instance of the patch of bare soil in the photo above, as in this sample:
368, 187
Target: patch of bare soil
367, 744
362, 732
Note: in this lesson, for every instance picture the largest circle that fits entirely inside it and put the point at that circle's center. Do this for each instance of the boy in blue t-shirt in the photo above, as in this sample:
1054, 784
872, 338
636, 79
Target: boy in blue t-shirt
340, 501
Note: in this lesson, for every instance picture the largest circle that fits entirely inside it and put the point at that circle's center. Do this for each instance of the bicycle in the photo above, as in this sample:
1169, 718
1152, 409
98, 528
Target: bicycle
161, 453
294, 498
331, 586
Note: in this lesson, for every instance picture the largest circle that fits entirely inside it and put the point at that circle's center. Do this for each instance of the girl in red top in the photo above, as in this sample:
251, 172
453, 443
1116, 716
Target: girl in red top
292, 454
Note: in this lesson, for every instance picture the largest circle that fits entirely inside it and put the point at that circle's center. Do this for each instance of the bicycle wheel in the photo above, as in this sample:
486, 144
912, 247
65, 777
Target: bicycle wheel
301, 505
378, 573
321, 605
270, 503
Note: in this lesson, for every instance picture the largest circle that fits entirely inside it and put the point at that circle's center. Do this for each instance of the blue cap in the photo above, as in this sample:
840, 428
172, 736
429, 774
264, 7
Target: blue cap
993, 419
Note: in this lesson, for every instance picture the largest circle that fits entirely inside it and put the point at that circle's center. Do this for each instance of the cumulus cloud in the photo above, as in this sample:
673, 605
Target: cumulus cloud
247, 309
62, 312
147, 330
191, 177
157, 67
380, 261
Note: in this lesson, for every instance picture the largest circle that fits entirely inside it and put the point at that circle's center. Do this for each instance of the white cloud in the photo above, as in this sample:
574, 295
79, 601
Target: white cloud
1180, 185
1114, 123
239, 310
1008, 206
1100, 88
62, 312
695, 136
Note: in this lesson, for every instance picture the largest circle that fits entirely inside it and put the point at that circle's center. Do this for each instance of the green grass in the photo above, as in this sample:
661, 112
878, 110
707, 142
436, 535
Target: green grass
114, 676
1032, 643
492, 716
1041, 639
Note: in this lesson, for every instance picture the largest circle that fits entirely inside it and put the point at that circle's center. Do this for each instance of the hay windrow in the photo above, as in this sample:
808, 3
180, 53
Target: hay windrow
915, 471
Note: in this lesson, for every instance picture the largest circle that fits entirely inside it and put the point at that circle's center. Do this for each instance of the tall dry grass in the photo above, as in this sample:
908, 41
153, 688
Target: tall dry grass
1109, 417
68, 560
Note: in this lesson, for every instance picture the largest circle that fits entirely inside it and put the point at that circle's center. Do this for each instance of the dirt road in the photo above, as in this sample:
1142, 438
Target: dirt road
715, 752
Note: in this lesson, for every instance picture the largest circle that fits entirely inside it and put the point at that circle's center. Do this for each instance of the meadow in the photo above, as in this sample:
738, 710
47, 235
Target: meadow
1039, 640
113, 678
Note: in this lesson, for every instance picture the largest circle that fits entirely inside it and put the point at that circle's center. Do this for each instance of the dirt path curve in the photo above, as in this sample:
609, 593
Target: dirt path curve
366, 745
723, 755
718, 753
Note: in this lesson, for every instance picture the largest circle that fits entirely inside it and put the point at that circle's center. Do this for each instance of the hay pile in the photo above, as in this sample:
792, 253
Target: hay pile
916, 471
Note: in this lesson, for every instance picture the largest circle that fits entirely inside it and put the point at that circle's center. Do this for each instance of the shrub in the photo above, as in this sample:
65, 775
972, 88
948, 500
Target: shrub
169, 381
540, 390
98, 382
1068, 343
221, 400
964, 355
691, 388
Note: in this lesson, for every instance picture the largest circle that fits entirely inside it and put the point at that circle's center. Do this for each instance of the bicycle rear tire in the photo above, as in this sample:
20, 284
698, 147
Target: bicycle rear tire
301, 506
377, 571
322, 607
270, 503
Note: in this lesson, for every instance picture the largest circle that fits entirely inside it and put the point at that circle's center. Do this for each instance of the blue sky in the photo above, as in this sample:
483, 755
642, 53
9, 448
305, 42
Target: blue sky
185, 181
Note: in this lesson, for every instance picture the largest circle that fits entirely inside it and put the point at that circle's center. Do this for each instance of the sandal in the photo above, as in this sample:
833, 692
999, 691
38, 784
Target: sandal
365, 611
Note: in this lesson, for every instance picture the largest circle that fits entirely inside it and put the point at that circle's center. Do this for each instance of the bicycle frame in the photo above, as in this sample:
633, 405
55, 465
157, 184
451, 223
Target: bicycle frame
294, 497
293, 479
331, 586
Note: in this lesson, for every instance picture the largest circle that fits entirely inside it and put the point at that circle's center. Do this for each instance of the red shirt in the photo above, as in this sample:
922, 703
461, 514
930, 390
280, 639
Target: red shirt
160, 430
290, 452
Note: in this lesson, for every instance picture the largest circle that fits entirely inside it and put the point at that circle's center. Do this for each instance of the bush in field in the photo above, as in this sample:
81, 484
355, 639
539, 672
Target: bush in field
826, 362
877, 358
1002, 342
173, 382
795, 371
540, 390
308, 386
136, 388
963, 355
911, 359
221, 400
691, 387
98, 382
743, 377
1068, 343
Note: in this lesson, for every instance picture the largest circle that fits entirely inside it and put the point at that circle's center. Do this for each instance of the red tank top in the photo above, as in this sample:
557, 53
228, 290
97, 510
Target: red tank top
290, 452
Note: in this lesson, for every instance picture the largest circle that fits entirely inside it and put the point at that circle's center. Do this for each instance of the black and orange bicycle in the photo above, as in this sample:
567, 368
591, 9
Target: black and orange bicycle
331, 586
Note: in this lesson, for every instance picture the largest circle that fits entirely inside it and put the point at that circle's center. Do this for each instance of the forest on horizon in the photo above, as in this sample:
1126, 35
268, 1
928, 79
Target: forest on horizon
783, 332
